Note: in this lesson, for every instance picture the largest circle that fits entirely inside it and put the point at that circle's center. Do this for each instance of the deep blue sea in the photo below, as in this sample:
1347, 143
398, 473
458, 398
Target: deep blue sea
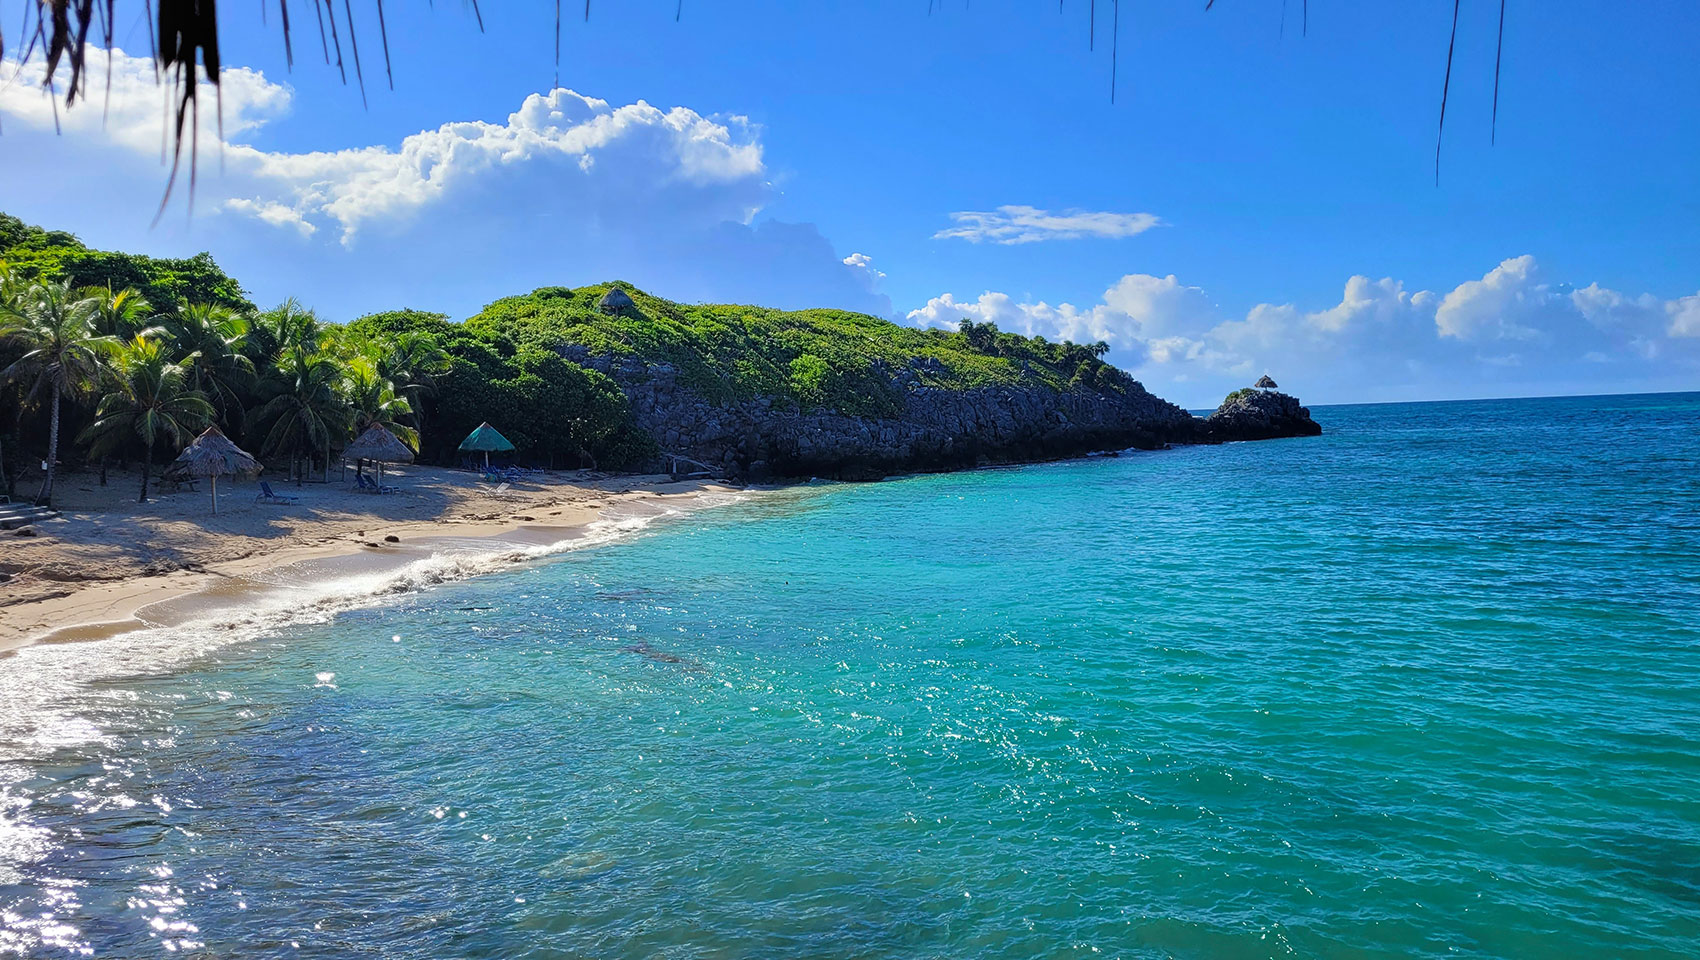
1428, 685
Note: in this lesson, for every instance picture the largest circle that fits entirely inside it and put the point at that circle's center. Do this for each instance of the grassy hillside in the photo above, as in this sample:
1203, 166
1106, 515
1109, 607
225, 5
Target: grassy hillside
821, 359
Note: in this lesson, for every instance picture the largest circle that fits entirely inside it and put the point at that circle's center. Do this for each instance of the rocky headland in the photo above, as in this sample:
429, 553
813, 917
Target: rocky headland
766, 437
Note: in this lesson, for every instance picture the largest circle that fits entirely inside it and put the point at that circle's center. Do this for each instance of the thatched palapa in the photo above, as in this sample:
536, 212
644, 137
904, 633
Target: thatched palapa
616, 302
1264, 383
212, 455
380, 445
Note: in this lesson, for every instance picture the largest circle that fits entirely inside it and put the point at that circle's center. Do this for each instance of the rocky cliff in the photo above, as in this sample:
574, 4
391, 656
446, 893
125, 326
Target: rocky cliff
1258, 415
938, 429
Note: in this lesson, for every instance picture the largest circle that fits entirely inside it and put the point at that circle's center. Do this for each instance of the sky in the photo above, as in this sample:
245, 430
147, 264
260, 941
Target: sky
1260, 197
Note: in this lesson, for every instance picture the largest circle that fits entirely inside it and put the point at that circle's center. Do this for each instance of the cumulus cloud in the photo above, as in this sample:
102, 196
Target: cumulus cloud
1137, 307
610, 150
1498, 306
567, 188
1684, 316
1013, 224
863, 266
1509, 331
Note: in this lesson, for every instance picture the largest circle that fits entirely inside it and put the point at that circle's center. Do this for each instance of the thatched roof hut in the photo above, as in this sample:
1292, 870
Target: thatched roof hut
212, 455
380, 445
1264, 383
616, 301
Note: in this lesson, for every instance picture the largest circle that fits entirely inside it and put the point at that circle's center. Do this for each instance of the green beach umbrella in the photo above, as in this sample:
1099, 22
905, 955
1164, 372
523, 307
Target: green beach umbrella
486, 439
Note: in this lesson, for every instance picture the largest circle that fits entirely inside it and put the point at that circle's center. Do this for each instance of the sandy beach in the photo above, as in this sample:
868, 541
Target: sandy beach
109, 564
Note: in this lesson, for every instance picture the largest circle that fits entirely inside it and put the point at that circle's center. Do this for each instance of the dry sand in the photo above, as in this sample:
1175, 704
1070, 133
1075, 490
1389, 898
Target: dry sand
88, 572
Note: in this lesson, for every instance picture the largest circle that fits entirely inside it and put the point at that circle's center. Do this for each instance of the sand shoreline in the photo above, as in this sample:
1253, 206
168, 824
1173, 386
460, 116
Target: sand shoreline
96, 572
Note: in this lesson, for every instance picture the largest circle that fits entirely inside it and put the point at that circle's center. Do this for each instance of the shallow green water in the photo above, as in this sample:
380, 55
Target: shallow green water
1427, 685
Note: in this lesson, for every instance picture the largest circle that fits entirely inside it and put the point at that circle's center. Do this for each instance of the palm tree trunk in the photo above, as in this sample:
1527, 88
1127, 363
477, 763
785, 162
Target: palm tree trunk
147, 468
17, 434
45, 497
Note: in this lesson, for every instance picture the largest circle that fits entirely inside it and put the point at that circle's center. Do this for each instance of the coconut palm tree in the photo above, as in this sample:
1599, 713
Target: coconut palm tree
208, 339
413, 362
273, 332
374, 400
149, 398
122, 314
11, 291
62, 354
305, 411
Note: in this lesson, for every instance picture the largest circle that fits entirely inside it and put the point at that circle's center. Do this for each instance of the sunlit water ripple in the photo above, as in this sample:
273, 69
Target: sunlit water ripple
1427, 685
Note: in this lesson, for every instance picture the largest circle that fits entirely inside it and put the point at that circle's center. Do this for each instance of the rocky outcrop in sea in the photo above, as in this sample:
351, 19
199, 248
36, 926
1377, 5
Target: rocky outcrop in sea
1258, 415
938, 429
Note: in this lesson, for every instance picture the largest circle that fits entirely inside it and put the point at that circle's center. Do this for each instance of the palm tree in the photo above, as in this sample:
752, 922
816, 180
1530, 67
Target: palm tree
275, 331
11, 294
374, 400
305, 410
62, 354
150, 399
413, 361
123, 314
208, 341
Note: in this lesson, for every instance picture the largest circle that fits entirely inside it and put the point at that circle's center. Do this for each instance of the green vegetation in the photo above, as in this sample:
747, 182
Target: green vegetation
149, 399
54, 255
1239, 394
135, 353
818, 359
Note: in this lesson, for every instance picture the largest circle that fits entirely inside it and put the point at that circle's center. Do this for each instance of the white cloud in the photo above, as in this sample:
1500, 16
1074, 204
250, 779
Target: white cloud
609, 148
1684, 316
1379, 341
132, 112
567, 188
609, 151
1013, 223
276, 214
1609, 309
863, 266
1497, 305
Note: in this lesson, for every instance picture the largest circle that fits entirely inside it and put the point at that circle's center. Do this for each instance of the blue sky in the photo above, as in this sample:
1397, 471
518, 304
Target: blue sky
1209, 224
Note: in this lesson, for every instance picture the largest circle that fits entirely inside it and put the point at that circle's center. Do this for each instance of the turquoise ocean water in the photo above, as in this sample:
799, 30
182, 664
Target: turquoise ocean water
1428, 685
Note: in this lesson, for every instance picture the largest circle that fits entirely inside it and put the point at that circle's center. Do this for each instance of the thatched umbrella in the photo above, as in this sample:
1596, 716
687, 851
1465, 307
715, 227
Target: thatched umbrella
486, 439
1265, 383
378, 444
212, 455
615, 302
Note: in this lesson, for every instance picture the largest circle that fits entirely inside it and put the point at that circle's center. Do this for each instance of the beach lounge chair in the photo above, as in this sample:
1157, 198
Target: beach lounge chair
267, 496
370, 485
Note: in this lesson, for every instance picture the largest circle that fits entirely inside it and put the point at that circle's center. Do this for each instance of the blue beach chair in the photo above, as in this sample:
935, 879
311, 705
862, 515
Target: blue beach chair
267, 496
